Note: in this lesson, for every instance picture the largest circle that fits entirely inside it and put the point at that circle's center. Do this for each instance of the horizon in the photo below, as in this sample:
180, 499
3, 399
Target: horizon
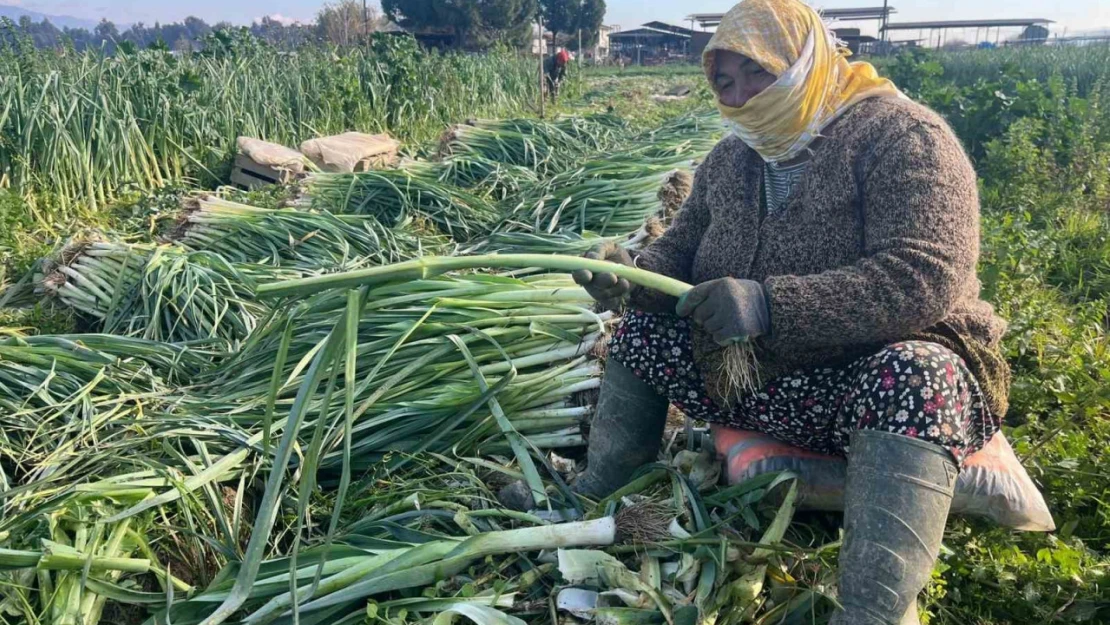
1072, 17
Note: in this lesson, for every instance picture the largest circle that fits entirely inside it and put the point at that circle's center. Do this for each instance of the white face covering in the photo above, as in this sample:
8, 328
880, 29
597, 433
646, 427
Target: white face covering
815, 83
775, 141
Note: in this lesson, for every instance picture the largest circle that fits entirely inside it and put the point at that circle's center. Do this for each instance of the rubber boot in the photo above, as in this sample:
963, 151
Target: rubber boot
896, 504
626, 432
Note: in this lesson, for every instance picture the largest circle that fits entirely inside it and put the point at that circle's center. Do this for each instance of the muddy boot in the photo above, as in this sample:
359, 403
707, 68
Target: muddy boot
895, 506
626, 432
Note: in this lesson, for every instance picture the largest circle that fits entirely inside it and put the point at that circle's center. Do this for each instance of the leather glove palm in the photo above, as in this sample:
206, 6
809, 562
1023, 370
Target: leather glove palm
731, 310
605, 287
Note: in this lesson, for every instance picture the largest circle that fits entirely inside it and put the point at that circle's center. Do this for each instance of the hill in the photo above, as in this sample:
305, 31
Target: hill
61, 21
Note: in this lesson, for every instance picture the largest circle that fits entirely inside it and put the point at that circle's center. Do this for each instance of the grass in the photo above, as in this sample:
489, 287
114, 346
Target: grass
1085, 65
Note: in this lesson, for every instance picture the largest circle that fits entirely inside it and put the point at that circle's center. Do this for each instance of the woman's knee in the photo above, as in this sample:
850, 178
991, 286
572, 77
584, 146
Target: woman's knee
907, 358
910, 381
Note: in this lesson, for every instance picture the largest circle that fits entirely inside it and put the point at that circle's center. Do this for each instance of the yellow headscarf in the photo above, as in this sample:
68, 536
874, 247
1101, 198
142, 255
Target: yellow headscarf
815, 82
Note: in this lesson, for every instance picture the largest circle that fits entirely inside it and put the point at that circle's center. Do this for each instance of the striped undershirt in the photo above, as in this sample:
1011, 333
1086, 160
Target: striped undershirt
779, 181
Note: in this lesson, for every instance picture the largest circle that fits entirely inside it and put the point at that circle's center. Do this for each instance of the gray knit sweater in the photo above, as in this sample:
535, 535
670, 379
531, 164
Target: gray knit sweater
877, 243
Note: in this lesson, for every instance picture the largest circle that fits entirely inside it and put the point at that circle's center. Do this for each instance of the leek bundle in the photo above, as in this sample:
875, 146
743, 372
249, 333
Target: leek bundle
295, 238
611, 207
53, 387
398, 196
530, 337
740, 365
481, 176
600, 131
160, 292
533, 144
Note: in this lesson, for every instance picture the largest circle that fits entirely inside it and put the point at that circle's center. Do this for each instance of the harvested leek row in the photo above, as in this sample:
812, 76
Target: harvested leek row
740, 366
397, 196
529, 338
357, 576
333, 411
481, 176
535, 145
435, 528
160, 292
606, 206
295, 238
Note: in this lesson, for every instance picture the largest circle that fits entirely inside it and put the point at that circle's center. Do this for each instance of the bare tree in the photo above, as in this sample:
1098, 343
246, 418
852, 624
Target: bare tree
345, 22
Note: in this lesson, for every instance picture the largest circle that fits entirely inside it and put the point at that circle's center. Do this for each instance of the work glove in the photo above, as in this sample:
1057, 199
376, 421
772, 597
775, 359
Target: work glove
731, 310
605, 287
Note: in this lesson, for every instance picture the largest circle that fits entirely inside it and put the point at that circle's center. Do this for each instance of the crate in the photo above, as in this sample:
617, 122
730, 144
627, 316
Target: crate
248, 174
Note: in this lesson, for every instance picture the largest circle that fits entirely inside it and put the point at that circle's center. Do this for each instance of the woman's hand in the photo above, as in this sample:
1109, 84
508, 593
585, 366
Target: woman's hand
731, 310
605, 287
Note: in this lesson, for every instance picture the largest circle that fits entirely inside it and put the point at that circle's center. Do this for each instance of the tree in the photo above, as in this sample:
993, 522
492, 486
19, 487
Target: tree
460, 17
507, 21
106, 31
177, 35
106, 35
344, 22
138, 34
590, 16
475, 23
560, 16
80, 37
1035, 33
280, 35
570, 16
196, 28
42, 34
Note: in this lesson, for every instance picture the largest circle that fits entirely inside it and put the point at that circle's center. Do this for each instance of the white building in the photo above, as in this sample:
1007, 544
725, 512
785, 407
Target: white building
601, 50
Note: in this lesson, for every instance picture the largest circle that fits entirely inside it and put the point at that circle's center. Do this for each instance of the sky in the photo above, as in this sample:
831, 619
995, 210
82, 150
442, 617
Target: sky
1072, 15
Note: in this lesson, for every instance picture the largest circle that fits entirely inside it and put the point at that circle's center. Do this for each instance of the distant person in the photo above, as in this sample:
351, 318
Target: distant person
834, 235
555, 70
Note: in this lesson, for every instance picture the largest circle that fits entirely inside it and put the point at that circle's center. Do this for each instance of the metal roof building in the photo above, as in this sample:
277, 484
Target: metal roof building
860, 14
653, 42
968, 24
646, 33
938, 30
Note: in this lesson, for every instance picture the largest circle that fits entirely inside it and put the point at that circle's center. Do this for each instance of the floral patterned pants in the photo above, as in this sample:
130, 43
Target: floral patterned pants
913, 388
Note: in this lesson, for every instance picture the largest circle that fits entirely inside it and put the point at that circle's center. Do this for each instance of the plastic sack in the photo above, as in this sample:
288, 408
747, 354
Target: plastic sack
271, 154
352, 151
992, 484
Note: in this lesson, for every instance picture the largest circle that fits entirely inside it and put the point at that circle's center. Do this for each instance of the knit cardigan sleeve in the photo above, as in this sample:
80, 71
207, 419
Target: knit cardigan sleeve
673, 253
920, 208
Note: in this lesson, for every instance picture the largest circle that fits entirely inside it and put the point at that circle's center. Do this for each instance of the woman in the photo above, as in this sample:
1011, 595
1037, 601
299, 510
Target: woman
835, 235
